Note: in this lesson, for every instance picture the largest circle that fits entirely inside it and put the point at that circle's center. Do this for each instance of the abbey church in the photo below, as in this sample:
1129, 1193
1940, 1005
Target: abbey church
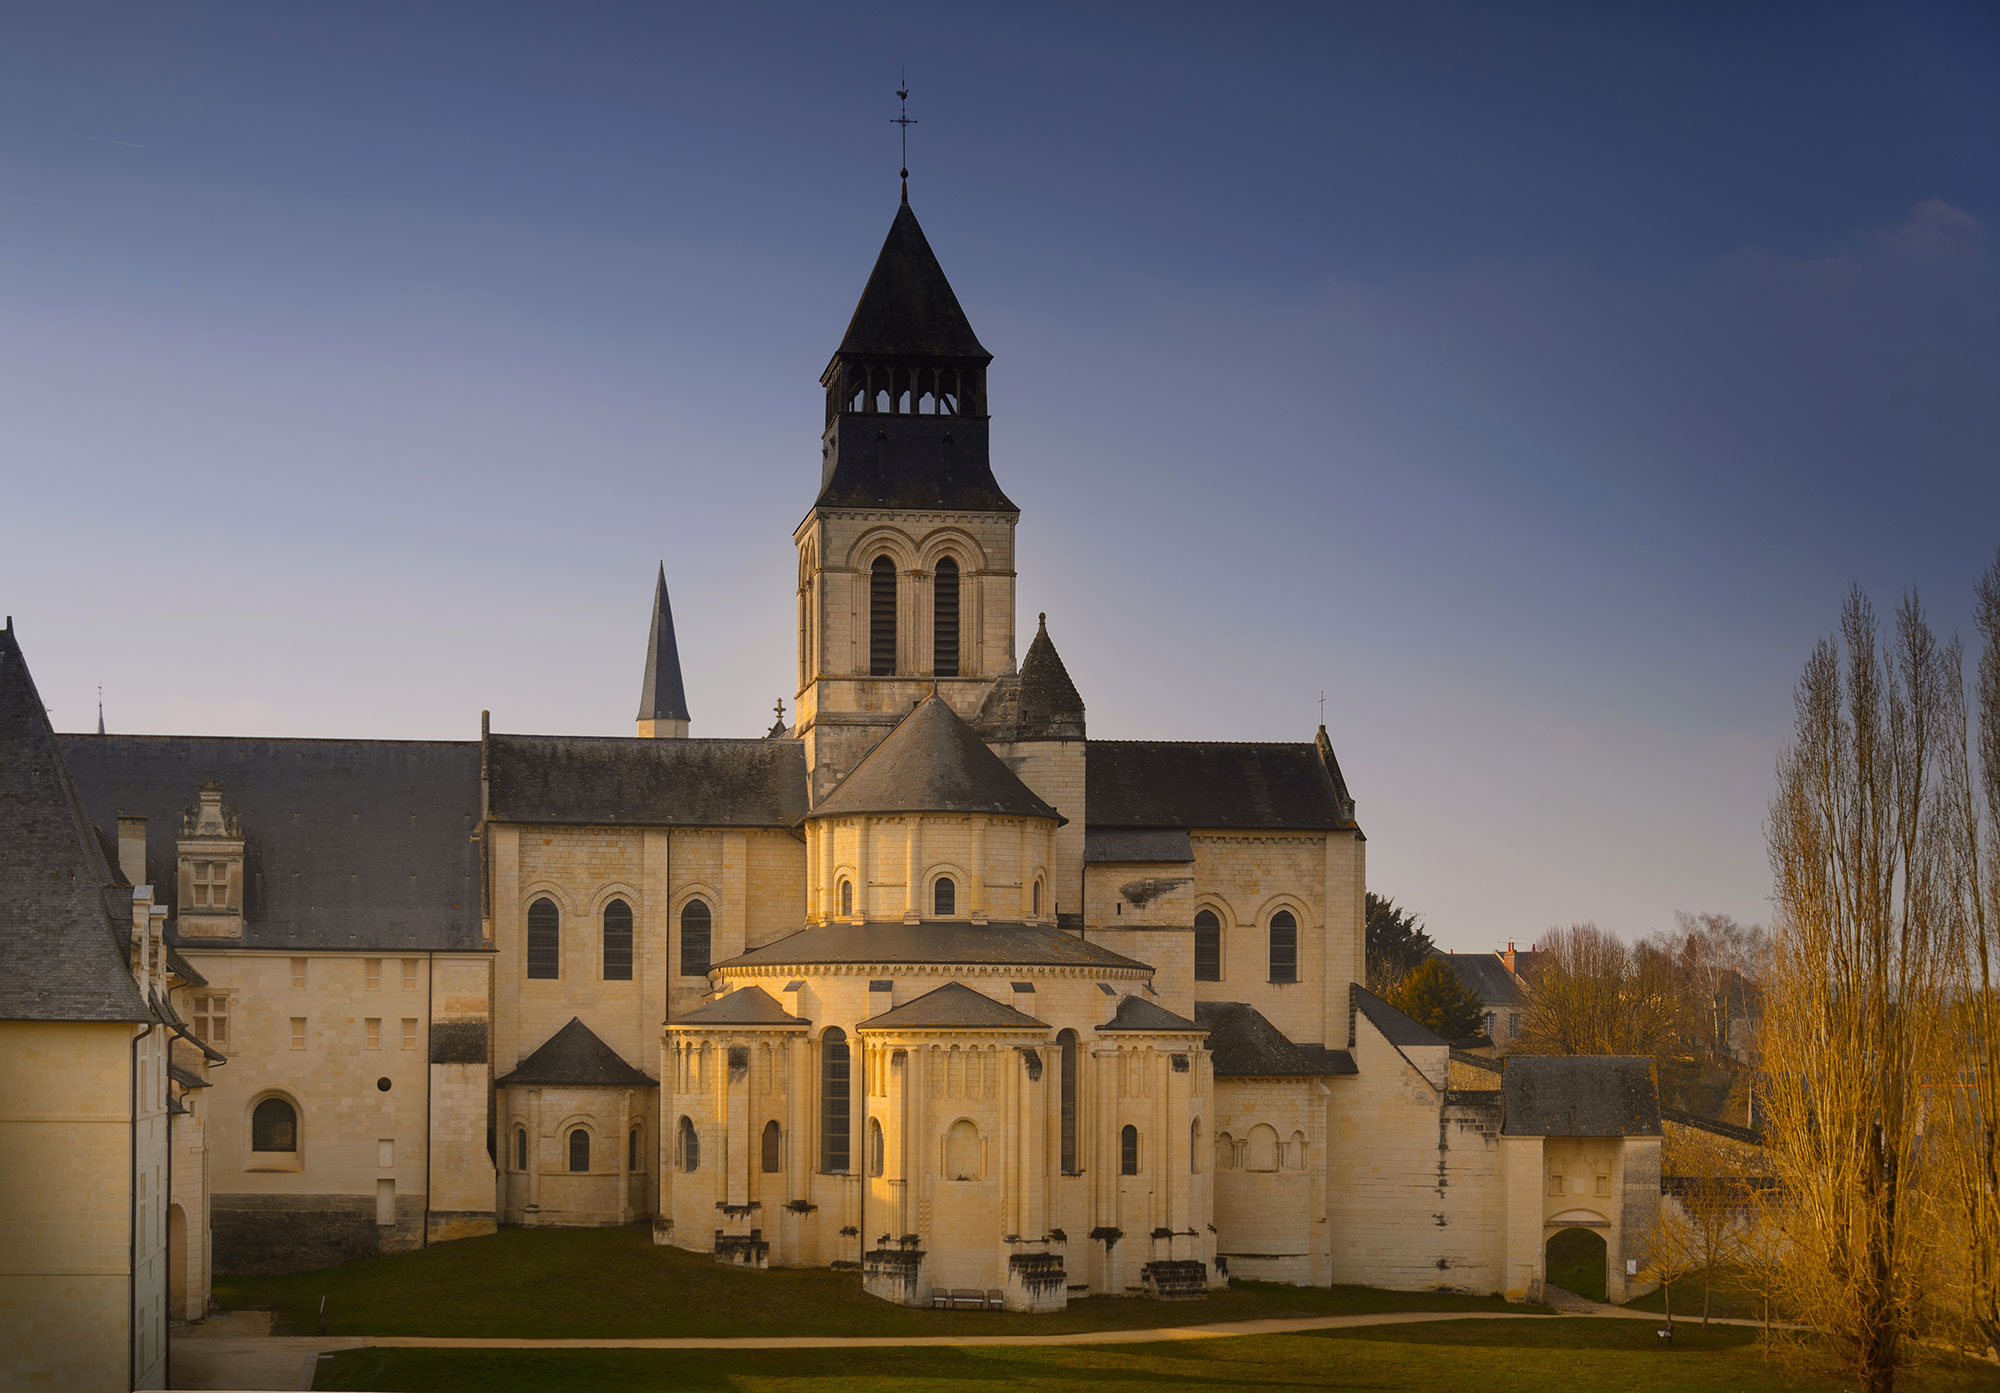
932, 983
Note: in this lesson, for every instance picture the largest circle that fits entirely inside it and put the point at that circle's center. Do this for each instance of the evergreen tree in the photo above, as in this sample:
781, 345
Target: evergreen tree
1396, 943
1433, 996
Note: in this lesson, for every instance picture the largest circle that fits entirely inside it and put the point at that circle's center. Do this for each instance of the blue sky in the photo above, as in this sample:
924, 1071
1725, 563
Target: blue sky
1532, 380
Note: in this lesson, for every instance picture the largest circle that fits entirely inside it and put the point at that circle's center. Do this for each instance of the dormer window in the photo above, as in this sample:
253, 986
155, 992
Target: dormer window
211, 884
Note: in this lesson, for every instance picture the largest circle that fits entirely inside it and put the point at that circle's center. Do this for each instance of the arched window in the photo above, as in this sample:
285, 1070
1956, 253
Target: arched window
875, 1147
1284, 947
774, 1139
833, 1102
1035, 905
944, 619
1262, 1152
274, 1126
544, 939
882, 618
579, 1149
1207, 947
1225, 1152
632, 1149
694, 939
1066, 1043
520, 1148
1295, 1154
944, 897
1194, 1147
687, 1145
618, 942
846, 899
1128, 1150
961, 1151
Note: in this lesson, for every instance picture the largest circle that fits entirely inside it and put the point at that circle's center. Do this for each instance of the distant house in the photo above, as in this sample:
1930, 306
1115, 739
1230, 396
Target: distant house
1502, 981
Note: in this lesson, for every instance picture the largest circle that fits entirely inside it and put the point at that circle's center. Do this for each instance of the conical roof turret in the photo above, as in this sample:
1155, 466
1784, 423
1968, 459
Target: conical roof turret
661, 695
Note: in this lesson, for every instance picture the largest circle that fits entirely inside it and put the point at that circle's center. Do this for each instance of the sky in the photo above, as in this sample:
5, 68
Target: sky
1533, 381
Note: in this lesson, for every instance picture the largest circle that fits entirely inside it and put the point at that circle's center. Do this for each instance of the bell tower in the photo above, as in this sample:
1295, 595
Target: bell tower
906, 560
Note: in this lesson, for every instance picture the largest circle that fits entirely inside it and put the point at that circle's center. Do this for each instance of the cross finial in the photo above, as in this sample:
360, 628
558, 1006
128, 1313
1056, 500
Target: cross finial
1322, 710
780, 709
905, 120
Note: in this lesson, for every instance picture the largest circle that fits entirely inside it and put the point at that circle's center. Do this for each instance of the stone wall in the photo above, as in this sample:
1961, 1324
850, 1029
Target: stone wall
263, 1234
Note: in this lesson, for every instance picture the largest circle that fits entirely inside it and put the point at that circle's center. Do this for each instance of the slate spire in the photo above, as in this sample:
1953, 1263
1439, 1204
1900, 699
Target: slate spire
906, 418
663, 709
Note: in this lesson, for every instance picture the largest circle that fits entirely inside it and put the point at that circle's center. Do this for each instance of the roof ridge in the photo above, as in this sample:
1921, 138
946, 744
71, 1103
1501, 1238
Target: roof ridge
268, 739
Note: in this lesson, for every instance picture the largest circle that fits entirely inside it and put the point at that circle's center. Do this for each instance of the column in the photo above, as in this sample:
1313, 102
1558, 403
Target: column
975, 892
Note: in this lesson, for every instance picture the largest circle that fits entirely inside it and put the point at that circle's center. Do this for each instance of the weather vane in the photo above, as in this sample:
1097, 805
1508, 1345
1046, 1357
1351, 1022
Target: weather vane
905, 120
1322, 709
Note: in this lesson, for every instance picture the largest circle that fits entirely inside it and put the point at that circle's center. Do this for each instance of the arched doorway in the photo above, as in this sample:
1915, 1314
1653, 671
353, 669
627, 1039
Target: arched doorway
1576, 1260
177, 1261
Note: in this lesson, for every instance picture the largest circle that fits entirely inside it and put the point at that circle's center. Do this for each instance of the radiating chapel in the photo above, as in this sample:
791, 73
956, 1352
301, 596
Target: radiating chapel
930, 982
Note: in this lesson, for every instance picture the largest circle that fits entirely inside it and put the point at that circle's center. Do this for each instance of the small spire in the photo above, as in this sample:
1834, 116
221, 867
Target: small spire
662, 698
100, 708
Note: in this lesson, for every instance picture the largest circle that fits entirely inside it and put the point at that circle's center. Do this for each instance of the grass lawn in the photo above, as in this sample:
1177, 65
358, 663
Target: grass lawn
1729, 1295
555, 1283
1525, 1356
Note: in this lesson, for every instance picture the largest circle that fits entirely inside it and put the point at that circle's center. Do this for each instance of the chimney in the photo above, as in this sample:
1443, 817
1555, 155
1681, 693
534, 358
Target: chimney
1508, 956
132, 849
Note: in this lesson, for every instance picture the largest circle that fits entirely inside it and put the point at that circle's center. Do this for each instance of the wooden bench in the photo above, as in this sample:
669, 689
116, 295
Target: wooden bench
967, 1299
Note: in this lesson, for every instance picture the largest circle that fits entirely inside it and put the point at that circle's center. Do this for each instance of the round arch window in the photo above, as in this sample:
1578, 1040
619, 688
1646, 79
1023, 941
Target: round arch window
944, 897
274, 1126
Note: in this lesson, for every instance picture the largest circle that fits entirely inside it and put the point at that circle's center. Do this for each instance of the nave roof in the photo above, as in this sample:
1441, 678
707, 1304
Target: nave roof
348, 844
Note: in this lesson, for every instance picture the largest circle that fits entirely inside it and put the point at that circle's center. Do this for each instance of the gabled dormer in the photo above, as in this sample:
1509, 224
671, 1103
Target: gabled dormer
210, 854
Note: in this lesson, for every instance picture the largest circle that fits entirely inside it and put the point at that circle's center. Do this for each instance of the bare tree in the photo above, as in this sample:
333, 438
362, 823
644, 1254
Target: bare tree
1967, 1102
1576, 1006
1668, 1251
1714, 1192
1866, 960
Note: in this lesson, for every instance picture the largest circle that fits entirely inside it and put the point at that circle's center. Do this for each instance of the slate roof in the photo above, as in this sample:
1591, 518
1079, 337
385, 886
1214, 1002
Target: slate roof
661, 696
908, 309
933, 763
1244, 1044
1396, 1028
187, 1078
574, 1057
954, 1006
1137, 1013
1486, 977
937, 941
184, 969
1199, 783
348, 844
1580, 1096
614, 781
64, 946
746, 1006
1136, 846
